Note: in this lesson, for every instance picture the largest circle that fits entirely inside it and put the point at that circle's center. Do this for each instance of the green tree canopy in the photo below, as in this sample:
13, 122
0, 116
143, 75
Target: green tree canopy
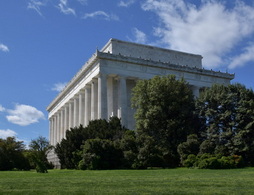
227, 113
11, 154
101, 154
39, 148
69, 150
165, 115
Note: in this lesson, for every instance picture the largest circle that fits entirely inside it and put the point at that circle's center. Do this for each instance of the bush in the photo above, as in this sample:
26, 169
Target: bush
231, 162
191, 146
129, 146
208, 161
69, 150
101, 154
12, 155
207, 147
190, 161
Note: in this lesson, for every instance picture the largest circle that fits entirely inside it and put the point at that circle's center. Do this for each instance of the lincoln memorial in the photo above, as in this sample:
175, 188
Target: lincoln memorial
102, 87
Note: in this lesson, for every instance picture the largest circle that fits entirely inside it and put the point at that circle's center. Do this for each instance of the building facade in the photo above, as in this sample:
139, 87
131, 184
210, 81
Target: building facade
102, 87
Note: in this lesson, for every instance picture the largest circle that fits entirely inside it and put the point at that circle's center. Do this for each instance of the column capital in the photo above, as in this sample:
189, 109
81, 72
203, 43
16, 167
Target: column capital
81, 91
70, 101
66, 105
75, 96
120, 77
94, 80
102, 75
87, 86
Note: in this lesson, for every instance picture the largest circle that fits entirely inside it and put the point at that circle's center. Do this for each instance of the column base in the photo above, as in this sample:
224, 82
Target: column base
52, 158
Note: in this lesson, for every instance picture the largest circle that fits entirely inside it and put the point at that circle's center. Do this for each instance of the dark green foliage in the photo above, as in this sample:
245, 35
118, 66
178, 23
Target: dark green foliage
227, 113
101, 154
39, 149
207, 147
69, 150
69, 147
149, 153
164, 118
191, 146
209, 161
217, 133
12, 155
190, 161
129, 146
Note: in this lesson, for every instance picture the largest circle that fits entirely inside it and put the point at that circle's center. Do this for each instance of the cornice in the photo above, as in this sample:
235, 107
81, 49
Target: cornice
132, 60
166, 65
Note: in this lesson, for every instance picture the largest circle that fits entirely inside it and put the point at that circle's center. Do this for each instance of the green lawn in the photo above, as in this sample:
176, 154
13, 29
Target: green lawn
162, 181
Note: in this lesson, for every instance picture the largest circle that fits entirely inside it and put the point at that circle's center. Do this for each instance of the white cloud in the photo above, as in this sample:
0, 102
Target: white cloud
4, 48
102, 15
64, 8
58, 87
36, 5
245, 57
24, 115
83, 2
7, 133
126, 3
211, 29
2, 109
140, 37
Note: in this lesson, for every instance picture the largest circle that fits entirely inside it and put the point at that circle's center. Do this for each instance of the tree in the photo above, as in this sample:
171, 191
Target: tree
191, 146
129, 146
227, 115
11, 154
39, 148
101, 154
69, 150
164, 114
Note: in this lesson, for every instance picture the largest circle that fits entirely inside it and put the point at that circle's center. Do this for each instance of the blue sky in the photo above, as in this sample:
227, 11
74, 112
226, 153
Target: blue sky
43, 43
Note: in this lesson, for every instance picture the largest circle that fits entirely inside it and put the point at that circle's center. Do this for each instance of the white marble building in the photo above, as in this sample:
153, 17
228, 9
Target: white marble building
102, 87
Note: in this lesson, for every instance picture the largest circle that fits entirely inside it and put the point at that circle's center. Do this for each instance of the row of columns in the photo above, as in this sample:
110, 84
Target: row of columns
103, 97
98, 99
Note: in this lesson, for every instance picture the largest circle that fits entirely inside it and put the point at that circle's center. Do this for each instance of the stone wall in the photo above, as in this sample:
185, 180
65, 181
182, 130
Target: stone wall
152, 53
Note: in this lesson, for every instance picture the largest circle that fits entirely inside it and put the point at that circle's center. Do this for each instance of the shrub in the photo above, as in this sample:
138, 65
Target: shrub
230, 162
191, 146
129, 146
208, 161
69, 150
190, 161
101, 154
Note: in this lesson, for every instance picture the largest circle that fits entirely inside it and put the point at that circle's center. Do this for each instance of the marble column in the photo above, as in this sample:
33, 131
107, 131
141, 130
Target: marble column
61, 124
122, 101
94, 99
115, 96
66, 119
55, 129
110, 93
51, 127
81, 107
195, 91
70, 114
102, 97
87, 104
58, 126
76, 112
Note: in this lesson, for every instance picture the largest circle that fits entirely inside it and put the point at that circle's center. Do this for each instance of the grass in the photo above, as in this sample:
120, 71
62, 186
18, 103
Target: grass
160, 181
